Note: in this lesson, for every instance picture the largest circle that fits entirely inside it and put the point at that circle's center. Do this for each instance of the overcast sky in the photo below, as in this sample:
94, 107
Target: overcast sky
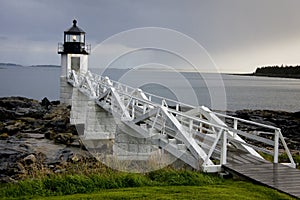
239, 35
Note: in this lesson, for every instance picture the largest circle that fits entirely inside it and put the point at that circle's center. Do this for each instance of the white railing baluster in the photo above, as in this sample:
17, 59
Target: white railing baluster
212, 149
133, 108
191, 125
235, 126
223, 159
276, 146
201, 124
292, 162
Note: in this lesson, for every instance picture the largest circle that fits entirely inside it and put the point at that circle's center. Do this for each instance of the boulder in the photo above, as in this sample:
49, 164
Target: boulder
30, 159
64, 138
50, 134
46, 103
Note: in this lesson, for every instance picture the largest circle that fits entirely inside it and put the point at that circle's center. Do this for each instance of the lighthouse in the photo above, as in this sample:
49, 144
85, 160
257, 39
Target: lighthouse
74, 56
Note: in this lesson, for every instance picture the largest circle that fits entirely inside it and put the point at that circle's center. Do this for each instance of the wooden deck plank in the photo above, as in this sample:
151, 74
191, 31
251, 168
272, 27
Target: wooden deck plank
276, 176
244, 157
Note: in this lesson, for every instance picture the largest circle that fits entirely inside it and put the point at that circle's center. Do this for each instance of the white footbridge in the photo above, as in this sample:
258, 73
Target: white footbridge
197, 136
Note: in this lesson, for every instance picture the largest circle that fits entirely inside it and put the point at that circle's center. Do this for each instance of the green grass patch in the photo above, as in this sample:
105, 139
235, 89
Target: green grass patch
235, 190
72, 183
161, 184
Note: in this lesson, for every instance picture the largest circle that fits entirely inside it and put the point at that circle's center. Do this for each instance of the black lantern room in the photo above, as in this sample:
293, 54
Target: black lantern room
74, 41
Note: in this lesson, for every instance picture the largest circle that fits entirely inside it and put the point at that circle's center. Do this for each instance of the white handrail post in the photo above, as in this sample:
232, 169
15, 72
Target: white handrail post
133, 108
224, 149
201, 124
276, 146
235, 124
177, 107
144, 108
191, 123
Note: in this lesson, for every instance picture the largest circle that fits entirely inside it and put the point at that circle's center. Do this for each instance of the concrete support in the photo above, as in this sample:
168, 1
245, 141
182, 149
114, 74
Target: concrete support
131, 147
99, 123
66, 91
79, 107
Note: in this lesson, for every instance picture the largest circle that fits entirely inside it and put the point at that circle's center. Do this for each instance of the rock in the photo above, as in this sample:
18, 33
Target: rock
13, 107
21, 168
26, 145
29, 112
31, 135
64, 138
13, 102
6, 114
4, 136
35, 135
296, 115
74, 158
46, 103
243, 114
14, 128
55, 102
50, 134
59, 171
30, 159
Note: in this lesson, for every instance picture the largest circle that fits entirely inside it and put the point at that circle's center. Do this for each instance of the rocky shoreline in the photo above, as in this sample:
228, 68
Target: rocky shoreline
37, 136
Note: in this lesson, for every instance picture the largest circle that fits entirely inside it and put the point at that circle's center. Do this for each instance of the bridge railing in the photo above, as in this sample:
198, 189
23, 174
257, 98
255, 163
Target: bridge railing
212, 137
179, 106
264, 138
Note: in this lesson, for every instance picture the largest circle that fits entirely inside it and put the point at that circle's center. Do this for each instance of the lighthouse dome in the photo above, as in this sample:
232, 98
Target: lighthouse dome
74, 29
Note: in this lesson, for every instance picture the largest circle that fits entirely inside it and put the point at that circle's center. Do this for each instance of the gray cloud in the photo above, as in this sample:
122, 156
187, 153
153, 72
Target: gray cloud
222, 27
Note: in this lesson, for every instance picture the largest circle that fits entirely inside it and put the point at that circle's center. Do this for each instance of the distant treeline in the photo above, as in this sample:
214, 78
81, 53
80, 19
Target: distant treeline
279, 71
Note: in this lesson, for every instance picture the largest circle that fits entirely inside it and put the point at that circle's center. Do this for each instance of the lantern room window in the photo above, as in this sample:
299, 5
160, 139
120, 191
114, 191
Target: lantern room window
75, 38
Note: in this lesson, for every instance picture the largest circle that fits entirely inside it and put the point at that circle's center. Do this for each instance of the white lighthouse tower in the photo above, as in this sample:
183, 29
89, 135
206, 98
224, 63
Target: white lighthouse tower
74, 56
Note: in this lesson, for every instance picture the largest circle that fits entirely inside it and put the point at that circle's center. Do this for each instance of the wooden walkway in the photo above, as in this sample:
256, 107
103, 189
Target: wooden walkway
276, 176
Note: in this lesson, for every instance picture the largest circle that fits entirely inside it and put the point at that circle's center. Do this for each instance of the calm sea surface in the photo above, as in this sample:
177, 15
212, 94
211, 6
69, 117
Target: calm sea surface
237, 92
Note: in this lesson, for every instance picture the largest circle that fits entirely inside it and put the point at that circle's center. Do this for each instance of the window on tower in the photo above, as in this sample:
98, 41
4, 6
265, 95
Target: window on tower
75, 63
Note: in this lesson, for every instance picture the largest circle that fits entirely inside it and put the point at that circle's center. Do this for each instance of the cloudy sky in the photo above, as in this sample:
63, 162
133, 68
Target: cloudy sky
239, 35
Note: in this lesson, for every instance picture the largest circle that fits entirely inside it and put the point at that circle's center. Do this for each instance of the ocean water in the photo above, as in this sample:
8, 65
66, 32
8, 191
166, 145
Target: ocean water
216, 91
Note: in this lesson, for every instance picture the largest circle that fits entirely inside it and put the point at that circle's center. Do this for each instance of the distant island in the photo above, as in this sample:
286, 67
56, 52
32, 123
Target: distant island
276, 71
10, 64
18, 65
44, 66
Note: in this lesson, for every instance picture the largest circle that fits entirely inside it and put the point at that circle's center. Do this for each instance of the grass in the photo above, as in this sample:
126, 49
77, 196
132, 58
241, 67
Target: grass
162, 184
238, 190
235, 190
